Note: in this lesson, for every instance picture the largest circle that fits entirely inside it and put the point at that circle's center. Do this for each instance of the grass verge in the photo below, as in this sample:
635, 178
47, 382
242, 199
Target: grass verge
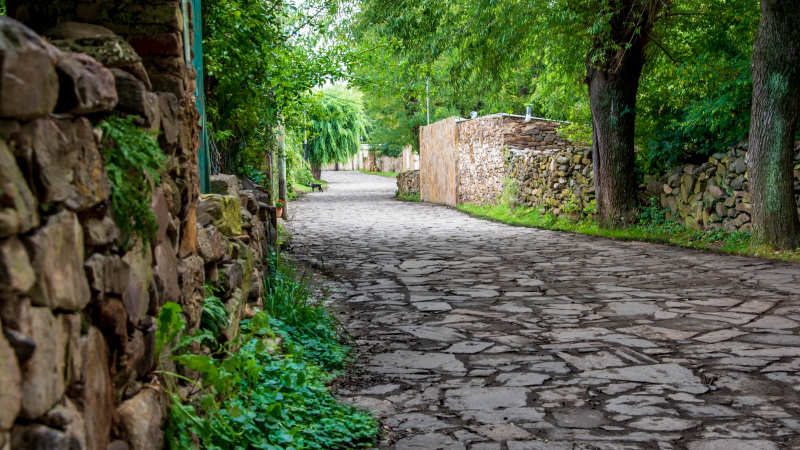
307, 189
652, 227
382, 174
254, 392
409, 197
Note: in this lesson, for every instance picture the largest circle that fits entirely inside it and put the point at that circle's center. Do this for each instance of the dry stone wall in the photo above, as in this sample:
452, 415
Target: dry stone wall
78, 311
539, 168
408, 182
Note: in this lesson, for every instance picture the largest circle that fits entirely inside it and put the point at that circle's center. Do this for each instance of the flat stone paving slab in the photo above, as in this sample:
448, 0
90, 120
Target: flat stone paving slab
480, 335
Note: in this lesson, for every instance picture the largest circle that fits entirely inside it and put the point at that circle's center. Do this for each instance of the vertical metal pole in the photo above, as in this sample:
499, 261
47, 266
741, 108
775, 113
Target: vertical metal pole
427, 102
282, 170
305, 144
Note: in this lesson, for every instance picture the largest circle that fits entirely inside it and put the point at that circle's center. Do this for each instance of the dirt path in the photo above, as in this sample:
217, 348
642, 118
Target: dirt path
487, 337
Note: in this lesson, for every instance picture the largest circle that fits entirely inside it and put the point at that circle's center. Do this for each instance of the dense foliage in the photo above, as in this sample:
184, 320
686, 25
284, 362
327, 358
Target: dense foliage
133, 161
492, 57
254, 394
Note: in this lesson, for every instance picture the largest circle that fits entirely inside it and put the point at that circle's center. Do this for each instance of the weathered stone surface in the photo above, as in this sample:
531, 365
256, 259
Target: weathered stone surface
19, 211
137, 295
10, 384
29, 85
39, 437
86, 86
100, 232
673, 375
16, 273
211, 244
134, 98
224, 212
90, 184
169, 118
222, 184
75, 30
140, 421
108, 274
579, 418
57, 258
97, 392
161, 210
165, 273
111, 51
43, 376
429, 442
732, 444
51, 158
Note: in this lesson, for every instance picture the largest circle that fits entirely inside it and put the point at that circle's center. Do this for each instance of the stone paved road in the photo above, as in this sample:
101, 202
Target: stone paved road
487, 337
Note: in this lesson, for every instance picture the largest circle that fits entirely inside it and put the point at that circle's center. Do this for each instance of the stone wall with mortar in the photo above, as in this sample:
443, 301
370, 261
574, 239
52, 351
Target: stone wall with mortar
76, 310
408, 182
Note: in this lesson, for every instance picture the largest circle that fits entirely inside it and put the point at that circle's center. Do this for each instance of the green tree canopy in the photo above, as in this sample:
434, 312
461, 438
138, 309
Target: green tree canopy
336, 126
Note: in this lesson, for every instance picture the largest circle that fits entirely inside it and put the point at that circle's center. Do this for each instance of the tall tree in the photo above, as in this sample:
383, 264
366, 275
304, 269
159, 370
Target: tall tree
776, 105
613, 68
336, 128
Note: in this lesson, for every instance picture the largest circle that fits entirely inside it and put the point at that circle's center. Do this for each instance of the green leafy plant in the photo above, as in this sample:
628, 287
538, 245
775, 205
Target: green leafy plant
133, 161
215, 317
279, 203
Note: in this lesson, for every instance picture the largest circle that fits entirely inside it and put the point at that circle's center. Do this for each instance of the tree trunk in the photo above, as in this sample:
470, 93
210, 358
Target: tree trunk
316, 171
776, 104
612, 97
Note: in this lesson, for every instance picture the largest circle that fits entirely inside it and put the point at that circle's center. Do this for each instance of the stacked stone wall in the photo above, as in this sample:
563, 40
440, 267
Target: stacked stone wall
408, 182
78, 311
539, 168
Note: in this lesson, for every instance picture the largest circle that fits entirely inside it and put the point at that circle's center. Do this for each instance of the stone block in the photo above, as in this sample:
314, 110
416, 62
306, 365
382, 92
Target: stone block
165, 273
225, 185
16, 273
85, 85
162, 44
38, 437
43, 376
161, 210
110, 51
51, 158
137, 296
96, 397
100, 232
29, 83
56, 252
10, 384
140, 421
134, 98
188, 243
224, 212
19, 211
170, 125
75, 30
90, 185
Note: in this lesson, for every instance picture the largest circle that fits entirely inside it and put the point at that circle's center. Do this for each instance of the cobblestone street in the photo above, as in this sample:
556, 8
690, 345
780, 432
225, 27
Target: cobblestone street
484, 336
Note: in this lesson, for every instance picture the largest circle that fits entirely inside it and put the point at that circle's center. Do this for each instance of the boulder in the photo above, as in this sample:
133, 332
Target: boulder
28, 79
10, 384
85, 85
140, 421
112, 320
161, 210
19, 211
137, 296
96, 397
111, 51
211, 244
170, 125
57, 258
16, 273
43, 376
51, 158
224, 212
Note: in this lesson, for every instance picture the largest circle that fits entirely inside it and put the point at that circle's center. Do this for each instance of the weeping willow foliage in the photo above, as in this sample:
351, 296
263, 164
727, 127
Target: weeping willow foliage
337, 126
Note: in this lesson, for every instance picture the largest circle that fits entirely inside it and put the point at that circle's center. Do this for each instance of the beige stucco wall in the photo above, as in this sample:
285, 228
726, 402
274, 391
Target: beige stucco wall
438, 162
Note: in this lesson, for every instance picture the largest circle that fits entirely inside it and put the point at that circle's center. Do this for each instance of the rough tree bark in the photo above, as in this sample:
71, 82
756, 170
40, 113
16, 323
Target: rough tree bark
613, 81
316, 171
776, 105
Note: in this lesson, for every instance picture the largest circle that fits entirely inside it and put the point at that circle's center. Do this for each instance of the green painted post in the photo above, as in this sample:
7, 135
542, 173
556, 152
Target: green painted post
200, 97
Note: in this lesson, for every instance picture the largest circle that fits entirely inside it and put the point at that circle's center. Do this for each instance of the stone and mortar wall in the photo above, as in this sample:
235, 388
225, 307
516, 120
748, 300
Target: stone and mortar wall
408, 182
77, 311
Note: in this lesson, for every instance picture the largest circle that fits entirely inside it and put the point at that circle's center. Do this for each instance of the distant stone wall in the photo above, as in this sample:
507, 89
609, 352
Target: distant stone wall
78, 312
408, 183
485, 146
